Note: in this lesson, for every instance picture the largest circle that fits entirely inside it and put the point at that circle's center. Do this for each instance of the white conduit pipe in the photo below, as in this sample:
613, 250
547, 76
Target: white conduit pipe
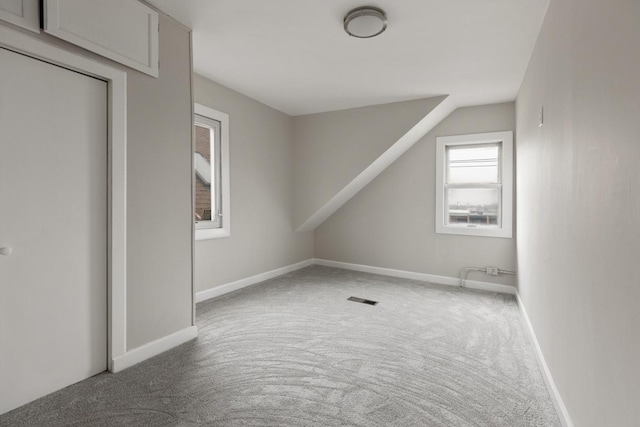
465, 271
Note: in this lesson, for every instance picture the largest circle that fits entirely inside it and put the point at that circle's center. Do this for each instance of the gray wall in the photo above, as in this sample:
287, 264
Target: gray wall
391, 222
261, 150
331, 149
159, 249
159, 242
579, 203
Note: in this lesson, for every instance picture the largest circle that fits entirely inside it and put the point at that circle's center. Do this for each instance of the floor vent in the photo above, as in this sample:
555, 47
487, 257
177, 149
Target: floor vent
362, 300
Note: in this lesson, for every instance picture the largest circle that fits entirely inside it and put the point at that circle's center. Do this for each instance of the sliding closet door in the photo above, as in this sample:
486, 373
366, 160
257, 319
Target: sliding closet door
53, 228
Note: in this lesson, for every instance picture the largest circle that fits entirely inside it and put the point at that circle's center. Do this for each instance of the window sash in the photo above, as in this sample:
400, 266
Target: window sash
215, 139
447, 223
472, 185
447, 160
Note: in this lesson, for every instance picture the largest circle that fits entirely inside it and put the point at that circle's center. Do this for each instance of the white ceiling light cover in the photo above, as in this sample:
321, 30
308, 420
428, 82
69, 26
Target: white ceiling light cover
365, 22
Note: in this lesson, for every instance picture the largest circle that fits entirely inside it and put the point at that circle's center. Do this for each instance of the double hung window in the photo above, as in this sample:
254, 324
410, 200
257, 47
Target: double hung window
475, 184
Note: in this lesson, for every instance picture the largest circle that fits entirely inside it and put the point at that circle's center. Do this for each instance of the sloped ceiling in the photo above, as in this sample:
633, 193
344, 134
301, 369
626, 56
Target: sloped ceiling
338, 153
294, 56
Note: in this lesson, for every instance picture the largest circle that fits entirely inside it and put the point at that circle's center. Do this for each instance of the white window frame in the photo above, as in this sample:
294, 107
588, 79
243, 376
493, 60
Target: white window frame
505, 222
203, 229
209, 172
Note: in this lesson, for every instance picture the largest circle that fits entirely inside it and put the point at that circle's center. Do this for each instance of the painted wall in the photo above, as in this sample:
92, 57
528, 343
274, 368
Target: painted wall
391, 222
261, 150
579, 203
159, 242
332, 148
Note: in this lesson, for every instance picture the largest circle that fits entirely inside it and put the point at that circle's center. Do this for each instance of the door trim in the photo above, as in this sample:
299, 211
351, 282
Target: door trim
117, 171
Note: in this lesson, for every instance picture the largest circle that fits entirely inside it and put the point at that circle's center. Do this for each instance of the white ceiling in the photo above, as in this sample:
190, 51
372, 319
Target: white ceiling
293, 55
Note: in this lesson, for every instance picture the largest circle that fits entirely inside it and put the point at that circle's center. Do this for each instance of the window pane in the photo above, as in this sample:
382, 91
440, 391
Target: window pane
477, 206
473, 164
204, 174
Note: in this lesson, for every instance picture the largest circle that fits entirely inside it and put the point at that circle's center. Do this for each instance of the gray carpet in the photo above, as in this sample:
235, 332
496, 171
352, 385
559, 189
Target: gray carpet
294, 352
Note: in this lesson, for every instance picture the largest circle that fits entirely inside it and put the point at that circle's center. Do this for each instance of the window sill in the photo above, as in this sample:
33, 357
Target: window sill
212, 233
472, 231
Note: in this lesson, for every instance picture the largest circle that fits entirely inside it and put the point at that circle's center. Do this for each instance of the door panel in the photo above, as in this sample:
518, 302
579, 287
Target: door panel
53, 214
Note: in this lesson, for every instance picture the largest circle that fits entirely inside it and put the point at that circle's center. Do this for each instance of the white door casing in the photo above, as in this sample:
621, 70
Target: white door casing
116, 170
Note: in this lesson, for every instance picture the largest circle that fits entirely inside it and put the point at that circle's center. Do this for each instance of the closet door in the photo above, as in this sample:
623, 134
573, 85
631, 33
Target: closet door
53, 228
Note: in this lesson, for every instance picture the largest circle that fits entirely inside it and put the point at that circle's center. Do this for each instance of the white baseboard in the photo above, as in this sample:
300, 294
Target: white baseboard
153, 348
161, 345
243, 283
561, 409
441, 280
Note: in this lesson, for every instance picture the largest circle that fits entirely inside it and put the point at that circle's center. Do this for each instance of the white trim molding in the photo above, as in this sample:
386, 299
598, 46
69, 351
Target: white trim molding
561, 409
152, 349
504, 186
440, 280
224, 231
117, 151
243, 283
431, 278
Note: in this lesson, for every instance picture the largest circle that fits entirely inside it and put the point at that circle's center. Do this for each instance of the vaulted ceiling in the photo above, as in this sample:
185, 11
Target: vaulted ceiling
293, 55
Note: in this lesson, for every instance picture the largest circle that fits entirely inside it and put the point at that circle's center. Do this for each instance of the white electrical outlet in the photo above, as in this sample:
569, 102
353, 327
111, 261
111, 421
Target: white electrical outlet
492, 271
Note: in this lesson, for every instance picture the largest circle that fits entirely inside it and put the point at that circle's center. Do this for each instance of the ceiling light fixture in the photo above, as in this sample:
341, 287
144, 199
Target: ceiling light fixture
365, 22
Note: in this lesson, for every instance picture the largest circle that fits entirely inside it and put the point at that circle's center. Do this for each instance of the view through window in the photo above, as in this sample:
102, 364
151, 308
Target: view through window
472, 188
208, 204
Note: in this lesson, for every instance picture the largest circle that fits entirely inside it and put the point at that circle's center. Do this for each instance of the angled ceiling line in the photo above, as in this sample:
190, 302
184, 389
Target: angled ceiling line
417, 132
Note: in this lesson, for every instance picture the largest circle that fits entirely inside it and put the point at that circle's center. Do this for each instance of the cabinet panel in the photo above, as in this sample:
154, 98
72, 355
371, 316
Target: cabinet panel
125, 31
23, 13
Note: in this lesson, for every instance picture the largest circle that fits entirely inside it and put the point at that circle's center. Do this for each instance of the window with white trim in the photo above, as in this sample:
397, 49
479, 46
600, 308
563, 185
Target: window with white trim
474, 184
211, 172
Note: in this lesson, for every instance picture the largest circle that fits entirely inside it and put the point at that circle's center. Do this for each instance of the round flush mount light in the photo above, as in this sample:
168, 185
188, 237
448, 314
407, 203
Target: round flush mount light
365, 22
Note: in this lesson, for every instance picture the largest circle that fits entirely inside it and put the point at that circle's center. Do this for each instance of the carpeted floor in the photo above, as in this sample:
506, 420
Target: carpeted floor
294, 352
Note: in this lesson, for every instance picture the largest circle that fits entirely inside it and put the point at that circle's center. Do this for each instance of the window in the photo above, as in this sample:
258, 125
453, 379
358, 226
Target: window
211, 171
474, 184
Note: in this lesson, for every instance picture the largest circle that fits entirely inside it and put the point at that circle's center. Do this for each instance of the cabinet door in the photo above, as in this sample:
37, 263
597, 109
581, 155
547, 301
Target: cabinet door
23, 13
125, 31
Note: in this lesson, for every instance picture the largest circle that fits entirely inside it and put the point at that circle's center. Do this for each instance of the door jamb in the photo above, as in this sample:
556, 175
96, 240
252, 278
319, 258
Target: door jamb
116, 79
